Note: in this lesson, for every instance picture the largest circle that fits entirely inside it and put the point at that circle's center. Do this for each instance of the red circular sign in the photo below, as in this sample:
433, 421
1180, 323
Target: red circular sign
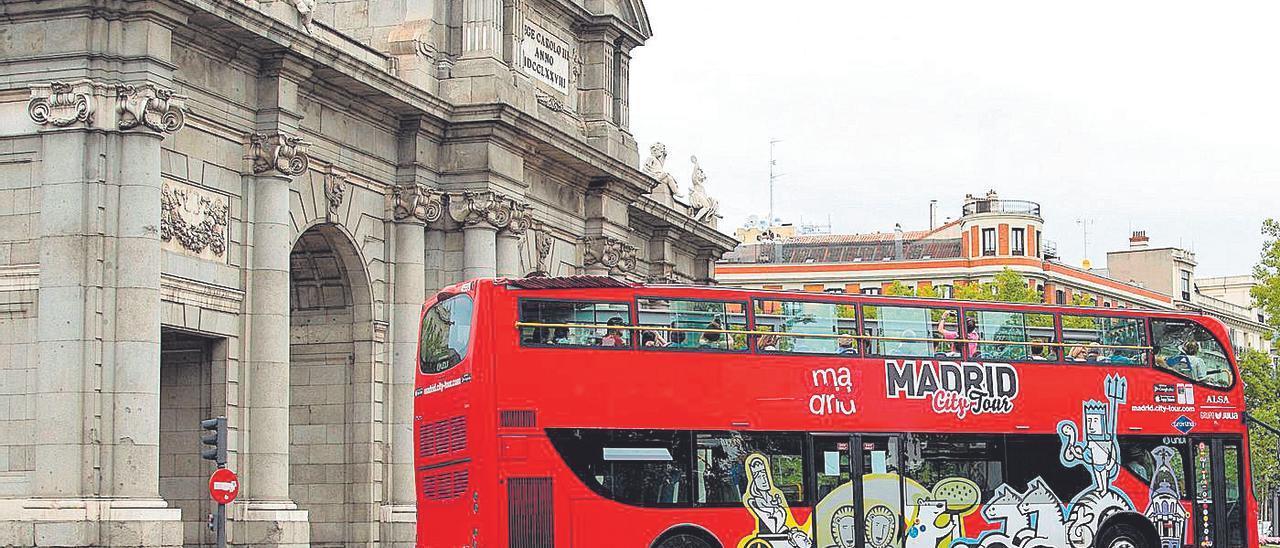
224, 486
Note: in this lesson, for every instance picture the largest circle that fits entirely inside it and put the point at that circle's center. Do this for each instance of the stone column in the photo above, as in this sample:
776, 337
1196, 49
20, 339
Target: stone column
277, 158
508, 244
414, 206
479, 251
481, 215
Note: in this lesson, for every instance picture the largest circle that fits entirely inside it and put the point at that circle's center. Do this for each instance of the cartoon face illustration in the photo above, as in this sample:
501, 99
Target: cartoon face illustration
1095, 428
880, 527
760, 481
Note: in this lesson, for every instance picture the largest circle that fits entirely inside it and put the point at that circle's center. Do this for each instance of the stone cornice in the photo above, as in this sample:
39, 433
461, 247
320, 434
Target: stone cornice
268, 34
662, 217
574, 152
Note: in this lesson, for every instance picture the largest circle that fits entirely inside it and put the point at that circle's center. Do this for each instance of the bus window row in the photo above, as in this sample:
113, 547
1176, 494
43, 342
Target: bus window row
843, 329
681, 468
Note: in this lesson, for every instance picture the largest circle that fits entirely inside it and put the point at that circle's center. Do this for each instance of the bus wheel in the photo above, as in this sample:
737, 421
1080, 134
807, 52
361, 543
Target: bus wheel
685, 539
1124, 535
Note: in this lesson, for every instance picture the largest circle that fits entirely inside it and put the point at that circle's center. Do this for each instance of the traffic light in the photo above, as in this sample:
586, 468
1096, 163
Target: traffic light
214, 440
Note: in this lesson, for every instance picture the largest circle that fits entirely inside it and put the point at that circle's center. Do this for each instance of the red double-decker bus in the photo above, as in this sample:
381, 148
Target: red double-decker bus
586, 412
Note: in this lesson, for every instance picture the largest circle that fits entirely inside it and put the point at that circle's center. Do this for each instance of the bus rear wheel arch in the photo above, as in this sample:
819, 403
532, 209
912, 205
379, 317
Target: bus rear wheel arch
686, 536
1127, 530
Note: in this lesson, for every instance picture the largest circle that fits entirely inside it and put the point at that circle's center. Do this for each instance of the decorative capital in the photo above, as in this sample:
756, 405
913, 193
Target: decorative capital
150, 106
472, 208
335, 189
62, 104
521, 218
277, 151
616, 255
416, 203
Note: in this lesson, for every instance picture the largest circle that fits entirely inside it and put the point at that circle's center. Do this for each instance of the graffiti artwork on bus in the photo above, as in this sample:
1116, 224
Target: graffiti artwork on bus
775, 526
1034, 517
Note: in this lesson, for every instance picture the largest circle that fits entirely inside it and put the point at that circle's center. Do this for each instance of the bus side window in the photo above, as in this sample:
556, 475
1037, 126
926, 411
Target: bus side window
805, 327
720, 470
685, 324
912, 331
1020, 336
1189, 350
1099, 339
563, 317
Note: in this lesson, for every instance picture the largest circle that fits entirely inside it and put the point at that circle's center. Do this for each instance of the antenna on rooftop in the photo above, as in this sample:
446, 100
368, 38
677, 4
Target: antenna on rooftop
772, 177
1085, 223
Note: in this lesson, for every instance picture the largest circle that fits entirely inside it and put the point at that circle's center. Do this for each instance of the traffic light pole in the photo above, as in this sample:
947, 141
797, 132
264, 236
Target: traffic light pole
220, 526
214, 441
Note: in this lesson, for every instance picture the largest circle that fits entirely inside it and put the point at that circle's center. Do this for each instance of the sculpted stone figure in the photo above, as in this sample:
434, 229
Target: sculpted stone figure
306, 13
668, 189
702, 206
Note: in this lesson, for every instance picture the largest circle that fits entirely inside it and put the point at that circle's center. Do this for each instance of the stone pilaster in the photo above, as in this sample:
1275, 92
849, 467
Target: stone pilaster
98, 384
482, 28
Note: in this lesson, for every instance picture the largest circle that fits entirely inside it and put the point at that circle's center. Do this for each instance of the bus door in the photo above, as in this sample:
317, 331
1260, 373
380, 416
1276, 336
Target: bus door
1219, 496
858, 496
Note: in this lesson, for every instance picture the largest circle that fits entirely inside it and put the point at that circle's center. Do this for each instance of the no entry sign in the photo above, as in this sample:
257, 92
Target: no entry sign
223, 486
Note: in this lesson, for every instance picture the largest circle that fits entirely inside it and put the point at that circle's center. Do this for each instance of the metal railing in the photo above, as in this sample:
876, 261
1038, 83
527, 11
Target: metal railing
1019, 207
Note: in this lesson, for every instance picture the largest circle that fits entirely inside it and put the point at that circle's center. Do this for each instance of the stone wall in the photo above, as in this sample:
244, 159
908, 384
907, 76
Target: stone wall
234, 213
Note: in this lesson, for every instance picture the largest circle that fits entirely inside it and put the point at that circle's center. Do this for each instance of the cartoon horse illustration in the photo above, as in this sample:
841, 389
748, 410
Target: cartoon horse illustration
1049, 529
1001, 509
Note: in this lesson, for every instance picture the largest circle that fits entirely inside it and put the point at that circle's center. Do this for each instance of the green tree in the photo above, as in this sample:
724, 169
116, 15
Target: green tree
1261, 385
1266, 274
1007, 287
899, 289
1260, 388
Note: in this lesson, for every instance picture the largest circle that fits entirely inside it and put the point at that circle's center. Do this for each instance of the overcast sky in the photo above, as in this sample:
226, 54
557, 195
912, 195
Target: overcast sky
1163, 116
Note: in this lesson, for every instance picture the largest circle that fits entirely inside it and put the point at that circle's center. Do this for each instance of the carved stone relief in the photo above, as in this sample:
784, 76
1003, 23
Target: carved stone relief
335, 189
276, 151
152, 107
194, 221
614, 254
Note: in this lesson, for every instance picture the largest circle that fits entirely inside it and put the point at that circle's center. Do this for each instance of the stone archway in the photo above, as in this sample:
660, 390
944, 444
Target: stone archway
330, 375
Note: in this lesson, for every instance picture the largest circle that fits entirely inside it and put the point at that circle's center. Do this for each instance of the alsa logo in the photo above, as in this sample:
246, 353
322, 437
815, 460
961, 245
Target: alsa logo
1218, 398
1184, 424
962, 389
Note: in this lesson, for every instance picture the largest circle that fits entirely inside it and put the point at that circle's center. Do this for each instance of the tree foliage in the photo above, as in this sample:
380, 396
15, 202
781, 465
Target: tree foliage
1007, 287
1266, 292
1261, 384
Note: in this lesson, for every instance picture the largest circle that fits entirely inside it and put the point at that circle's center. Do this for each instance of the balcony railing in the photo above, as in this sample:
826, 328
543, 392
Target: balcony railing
1017, 207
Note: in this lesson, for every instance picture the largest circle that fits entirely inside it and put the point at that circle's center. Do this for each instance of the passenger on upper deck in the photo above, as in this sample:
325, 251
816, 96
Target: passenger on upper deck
613, 337
971, 330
